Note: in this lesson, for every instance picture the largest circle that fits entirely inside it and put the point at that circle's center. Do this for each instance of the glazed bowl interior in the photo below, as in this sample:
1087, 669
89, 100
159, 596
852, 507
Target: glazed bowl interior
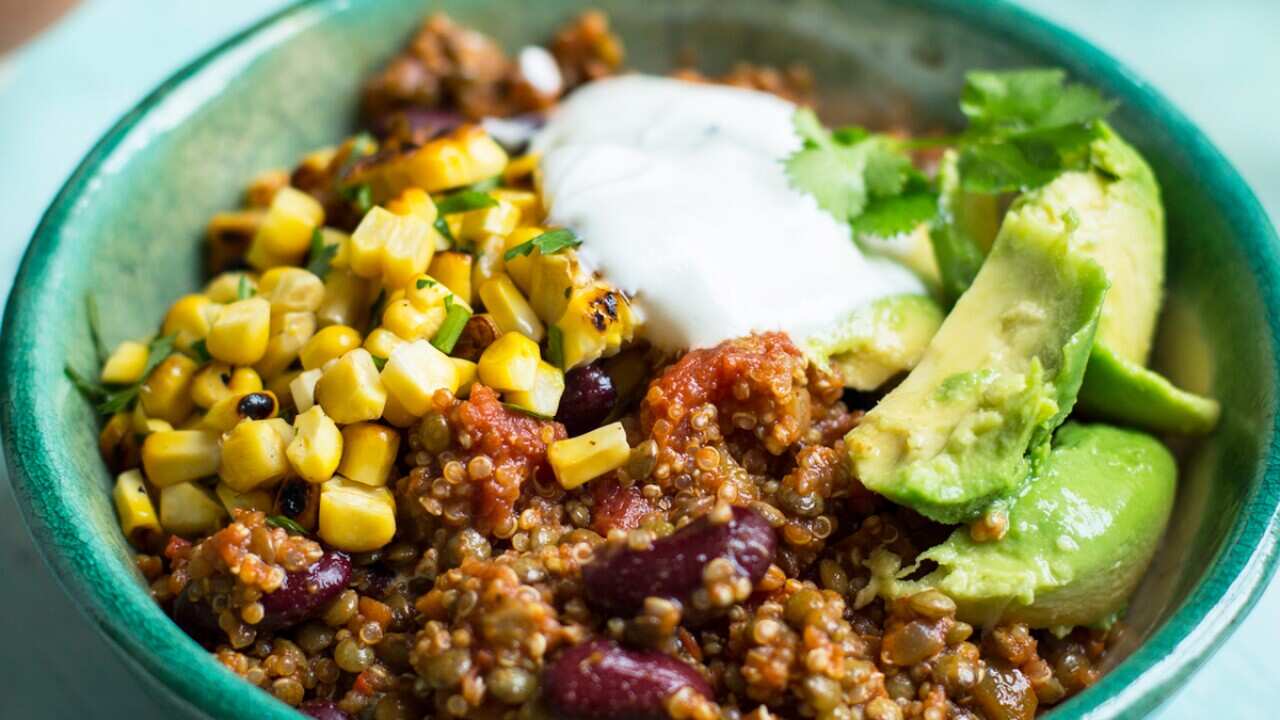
128, 229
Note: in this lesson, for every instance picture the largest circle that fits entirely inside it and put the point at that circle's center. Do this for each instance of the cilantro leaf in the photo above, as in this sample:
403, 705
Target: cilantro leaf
359, 195
243, 291
548, 243
464, 201
200, 349
379, 362
287, 524
890, 216
320, 258
100, 347
109, 401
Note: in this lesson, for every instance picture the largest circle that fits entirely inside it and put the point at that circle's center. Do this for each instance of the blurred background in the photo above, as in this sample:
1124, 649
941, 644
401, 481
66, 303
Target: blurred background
69, 69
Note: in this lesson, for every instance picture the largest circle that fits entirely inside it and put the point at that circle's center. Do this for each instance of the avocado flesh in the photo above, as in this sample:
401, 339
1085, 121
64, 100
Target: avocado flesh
1080, 535
1001, 373
880, 340
963, 236
1120, 390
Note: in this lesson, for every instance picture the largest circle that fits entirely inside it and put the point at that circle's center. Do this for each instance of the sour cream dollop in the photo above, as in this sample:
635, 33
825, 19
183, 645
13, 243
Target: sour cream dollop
680, 195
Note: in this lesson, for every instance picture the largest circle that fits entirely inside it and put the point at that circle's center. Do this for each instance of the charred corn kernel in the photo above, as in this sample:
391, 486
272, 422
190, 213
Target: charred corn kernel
520, 168
396, 414
525, 201
231, 500
499, 219
454, 270
465, 156
579, 459
409, 322
381, 342
368, 452
253, 455
551, 283
356, 517
285, 343
291, 289
414, 201
113, 433
189, 319
350, 390
138, 420
177, 456
303, 389
509, 363
327, 344
414, 372
166, 393
264, 186
597, 322
466, 370
245, 380
544, 397
189, 509
285, 232
133, 505
225, 288
240, 334
520, 267
126, 363
346, 300
316, 447
211, 384
229, 236
510, 309
488, 260
229, 411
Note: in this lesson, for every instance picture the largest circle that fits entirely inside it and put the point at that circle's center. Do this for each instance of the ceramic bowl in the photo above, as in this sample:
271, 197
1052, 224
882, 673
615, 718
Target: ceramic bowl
127, 227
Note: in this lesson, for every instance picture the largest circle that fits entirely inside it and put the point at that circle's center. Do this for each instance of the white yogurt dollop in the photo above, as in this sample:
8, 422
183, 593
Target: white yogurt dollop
679, 193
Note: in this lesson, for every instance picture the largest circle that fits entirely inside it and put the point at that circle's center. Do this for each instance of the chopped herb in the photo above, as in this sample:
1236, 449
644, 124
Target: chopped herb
375, 310
201, 350
442, 227
289, 525
525, 411
465, 201
95, 323
320, 258
448, 302
887, 217
548, 243
111, 400
359, 195
425, 282
455, 320
91, 390
555, 346
243, 291
379, 362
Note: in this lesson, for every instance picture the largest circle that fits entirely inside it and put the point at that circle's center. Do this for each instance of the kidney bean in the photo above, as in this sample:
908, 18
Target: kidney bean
322, 710
600, 680
672, 567
305, 591
587, 400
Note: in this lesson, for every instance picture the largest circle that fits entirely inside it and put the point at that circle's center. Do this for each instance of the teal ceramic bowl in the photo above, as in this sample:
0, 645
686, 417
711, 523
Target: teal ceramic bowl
127, 227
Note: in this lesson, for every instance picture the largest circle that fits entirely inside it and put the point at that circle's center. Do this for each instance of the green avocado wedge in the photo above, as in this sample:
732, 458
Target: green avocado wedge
1120, 390
879, 341
962, 233
1081, 534
999, 376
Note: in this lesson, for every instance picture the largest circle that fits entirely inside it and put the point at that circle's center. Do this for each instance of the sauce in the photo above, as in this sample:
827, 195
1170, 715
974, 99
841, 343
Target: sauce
679, 193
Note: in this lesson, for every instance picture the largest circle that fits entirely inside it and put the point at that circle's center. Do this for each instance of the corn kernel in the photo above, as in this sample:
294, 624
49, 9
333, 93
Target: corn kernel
466, 370
582, 458
414, 372
510, 309
317, 445
544, 397
407, 253
178, 456
280, 388
454, 270
520, 168
551, 283
341, 242
410, 323
291, 289
396, 414
303, 389
225, 288
264, 186
133, 505
381, 342
346, 300
166, 393
364, 250
356, 517
368, 453
285, 232
350, 389
245, 380
189, 509
414, 201
229, 235
259, 500
527, 202
498, 219
597, 322
210, 384
327, 344
488, 261
253, 455
520, 267
235, 407
189, 319
465, 156
126, 363
113, 435
240, 334
509, 363
296, 328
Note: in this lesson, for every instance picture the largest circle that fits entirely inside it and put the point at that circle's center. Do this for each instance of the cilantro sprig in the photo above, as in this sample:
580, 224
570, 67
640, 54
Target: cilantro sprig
111, 399
548, 243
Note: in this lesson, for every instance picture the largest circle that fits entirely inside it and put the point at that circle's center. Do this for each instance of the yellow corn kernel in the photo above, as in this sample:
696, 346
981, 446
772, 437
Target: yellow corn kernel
285, 232
498, 219
154, 425
291, 289
190, 509
296, 328
229, 236
414, 201
510, 309
177, 456
582, 458
364, 250
264, 186
350, 390
525, 201
114, 432
346, 300
259, 500
368, 452
189, 319
410, 323
381, 342
341, 241
414, 372
520, 168
245, 380
133, 505
280, 387
356, 517
488, 260
253, 455
316, 447
303, 389
465, 156
282, 428
396, 414
240, 334
427, 293
453, 269
166, 393
544, 397
210, 384
225, 288
230, 410
407, 252
466, 370
520, 267
327, 344
551, 283
597, 322
509, 363
126, 363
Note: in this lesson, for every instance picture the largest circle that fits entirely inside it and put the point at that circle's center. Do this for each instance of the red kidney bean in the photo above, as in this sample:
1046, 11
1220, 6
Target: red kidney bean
587, 400
600, 680
305, 591
672, 567
322, 710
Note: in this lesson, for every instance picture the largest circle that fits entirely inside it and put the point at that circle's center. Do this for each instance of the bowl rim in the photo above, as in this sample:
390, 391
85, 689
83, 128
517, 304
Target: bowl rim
1138, 685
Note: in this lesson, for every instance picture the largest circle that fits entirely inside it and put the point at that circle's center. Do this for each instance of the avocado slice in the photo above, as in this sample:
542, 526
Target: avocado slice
962, 233
880, 340
1001, 373
1080, 536
1120, 390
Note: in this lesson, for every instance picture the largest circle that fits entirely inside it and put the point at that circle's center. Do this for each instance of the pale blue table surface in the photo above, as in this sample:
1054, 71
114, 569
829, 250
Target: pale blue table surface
1220, 62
